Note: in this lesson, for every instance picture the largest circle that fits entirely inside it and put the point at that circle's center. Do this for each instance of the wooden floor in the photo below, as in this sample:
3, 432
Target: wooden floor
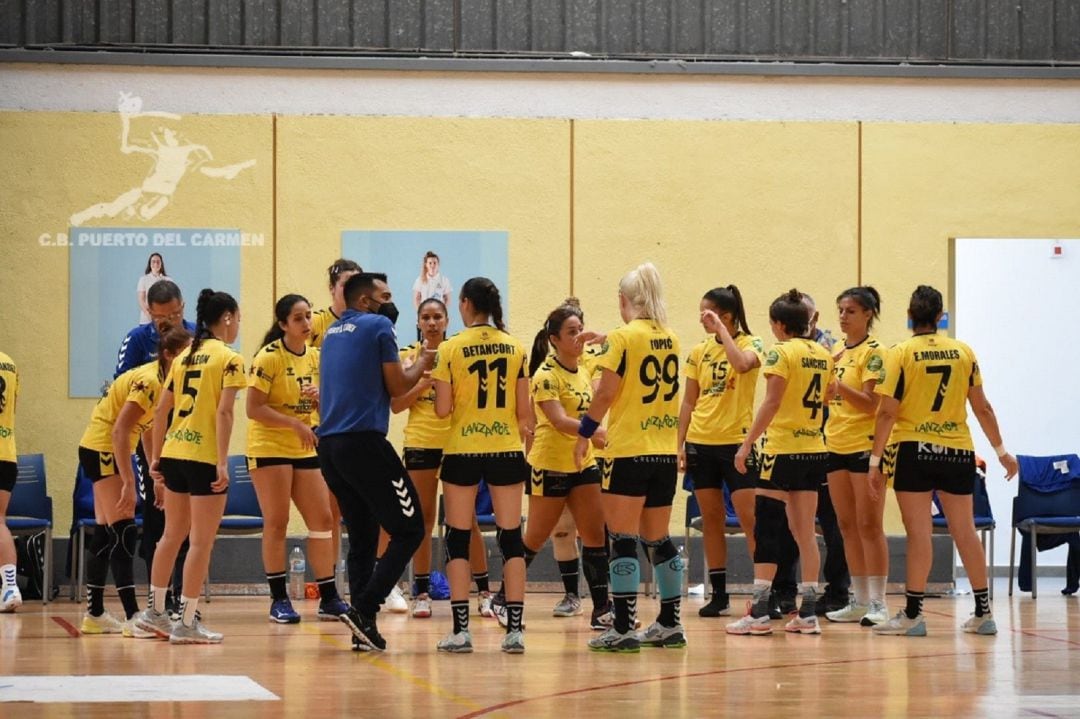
1031, 668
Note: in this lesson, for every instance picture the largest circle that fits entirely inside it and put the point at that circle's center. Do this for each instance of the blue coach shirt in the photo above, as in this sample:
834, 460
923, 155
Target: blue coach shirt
352, 394
140, 347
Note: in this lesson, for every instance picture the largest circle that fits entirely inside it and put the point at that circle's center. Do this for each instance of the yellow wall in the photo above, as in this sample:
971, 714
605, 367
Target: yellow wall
766, 206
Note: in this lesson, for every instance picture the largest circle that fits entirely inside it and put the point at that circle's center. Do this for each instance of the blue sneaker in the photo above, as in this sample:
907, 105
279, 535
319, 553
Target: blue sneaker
281, 611
331, 610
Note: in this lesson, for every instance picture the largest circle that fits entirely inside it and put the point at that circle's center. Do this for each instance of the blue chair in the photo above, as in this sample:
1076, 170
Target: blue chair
984, 521
695, 522
243, 515
1036, 512
83, 521
30, 510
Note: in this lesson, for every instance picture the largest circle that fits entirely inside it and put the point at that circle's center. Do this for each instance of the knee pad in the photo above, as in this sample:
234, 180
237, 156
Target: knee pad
529, 554
511, 544
127, 538
457, 543
660, 550
669, 567
769, 524
101, 541
623, 546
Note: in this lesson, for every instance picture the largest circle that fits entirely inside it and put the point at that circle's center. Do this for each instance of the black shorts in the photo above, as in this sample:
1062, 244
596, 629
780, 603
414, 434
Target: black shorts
498, 469
419, 459
187, 476
548, 483
856, 462
9, 471
923, 467
652, 476
97, 465
711, 466
802, 472
311, 462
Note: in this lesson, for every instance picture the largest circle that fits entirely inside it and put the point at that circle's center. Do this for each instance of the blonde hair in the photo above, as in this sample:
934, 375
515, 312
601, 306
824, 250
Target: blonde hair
643, 290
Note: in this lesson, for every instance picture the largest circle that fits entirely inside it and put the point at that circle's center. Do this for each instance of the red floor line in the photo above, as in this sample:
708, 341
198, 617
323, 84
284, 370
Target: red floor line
1030, 633
67, 627
718, 672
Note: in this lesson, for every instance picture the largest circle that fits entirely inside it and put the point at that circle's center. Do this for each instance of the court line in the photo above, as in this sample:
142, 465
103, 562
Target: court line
1032, 633
67, 627
375, 659
720, 672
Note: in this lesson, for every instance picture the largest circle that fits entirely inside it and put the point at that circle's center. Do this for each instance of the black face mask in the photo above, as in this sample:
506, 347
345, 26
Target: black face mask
388, 310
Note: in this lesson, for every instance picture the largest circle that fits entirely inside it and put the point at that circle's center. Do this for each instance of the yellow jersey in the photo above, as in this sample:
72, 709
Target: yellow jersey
141, 385
424, 430
552, 449
725, 407
482, 366
9, 391
930, 375
196, 381
320, 321
850, 430
807, 367
644, 417
281, 375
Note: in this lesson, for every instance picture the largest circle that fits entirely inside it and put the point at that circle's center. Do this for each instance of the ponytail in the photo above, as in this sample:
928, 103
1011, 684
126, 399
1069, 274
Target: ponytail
553, 325
209, 308
729, 299
282, 310
644, 291
925, 306
485, 298
540, 348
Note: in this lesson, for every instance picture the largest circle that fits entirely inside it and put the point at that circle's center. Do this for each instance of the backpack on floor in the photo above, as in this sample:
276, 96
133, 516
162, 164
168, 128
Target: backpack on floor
30, 565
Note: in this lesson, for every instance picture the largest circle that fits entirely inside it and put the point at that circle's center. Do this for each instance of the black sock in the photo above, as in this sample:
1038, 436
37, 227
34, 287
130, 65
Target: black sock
669, 612
121, 561
625, 610
481, 579
423, 583
95, 600
277, 586
718, 580
569, 571
914, 604
460, 610
327, 589
594, 562
515, 612
129, 599
982, 602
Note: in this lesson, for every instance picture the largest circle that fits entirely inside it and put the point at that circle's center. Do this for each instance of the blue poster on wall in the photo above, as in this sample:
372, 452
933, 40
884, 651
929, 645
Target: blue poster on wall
429, 263
110, 267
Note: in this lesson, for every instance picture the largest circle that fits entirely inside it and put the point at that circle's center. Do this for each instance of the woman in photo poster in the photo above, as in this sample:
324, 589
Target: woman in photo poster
155, 270
431, 283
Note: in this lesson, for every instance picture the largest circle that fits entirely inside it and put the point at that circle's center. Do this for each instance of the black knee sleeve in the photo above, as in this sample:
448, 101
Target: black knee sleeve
530, 555
594, 563
623, 546
457, 543
127, 537
510, 543
660, 550
770, 520
101, 541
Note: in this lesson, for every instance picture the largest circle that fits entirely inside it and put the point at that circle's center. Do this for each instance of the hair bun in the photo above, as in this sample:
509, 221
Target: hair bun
794, 295
572, 302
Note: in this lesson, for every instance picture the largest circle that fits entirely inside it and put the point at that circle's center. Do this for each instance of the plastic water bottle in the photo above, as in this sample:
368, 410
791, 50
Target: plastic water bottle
297, 572
339, 578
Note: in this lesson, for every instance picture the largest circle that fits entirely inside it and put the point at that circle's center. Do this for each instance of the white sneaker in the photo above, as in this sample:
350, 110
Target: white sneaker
10, 599
132, 631
851, 613
876, 613
484, 607
803, 625
984, 625
903, 626
395, 601
460, 643
195, 634
421, 607
757, 626
105, 624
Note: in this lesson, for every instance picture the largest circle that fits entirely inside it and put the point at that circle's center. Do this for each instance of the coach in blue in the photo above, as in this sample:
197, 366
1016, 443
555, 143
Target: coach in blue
359, 371
139, 347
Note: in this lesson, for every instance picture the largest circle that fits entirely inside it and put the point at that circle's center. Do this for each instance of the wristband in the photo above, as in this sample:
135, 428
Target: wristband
875, 460
588, 426
1000, 449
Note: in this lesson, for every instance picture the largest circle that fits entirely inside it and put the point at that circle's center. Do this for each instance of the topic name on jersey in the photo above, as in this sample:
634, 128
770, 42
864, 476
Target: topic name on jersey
661, 343
338, 329
811, 363
666, 422
492, 348
937, 427
498, 429
196, 360
937, 355
7, 367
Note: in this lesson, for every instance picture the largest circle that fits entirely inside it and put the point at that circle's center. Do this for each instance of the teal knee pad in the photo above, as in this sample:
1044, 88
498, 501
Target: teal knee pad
625, 575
